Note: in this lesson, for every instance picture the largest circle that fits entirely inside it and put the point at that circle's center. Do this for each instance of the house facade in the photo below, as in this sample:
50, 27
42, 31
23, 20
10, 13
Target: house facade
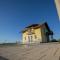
37, 33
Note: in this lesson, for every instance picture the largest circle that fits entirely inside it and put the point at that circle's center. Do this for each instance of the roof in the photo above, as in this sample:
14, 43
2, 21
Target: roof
33, 25
37, 26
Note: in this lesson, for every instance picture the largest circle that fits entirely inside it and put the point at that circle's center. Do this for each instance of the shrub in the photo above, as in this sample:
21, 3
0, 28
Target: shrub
59, 40
54, 40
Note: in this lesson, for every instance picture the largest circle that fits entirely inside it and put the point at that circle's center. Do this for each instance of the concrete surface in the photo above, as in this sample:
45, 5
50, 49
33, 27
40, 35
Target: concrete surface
48, 51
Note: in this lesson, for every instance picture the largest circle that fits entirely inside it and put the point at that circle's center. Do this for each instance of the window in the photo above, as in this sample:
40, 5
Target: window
35, 36
31, 38
25, 38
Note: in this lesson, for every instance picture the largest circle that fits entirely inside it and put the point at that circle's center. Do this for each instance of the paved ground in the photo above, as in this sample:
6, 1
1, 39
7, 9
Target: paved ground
50, 51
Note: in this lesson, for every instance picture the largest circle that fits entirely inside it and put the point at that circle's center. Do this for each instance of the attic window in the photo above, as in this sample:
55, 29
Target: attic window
30, 31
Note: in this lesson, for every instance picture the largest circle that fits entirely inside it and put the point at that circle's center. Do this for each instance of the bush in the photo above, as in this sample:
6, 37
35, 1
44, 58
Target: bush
59, 40
54, 40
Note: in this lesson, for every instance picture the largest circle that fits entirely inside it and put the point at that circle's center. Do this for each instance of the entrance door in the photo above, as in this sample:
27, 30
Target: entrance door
30, 38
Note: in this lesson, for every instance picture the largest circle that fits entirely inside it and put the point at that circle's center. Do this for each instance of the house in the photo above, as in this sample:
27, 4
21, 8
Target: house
37, 33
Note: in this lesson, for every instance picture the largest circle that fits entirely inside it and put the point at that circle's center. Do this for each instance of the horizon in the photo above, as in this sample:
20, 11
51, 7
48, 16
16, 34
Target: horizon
15, 15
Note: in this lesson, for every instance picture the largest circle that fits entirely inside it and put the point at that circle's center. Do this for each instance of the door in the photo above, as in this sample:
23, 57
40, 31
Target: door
30, 38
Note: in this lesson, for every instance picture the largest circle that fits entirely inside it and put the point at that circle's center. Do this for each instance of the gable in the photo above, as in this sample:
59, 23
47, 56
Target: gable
48, 29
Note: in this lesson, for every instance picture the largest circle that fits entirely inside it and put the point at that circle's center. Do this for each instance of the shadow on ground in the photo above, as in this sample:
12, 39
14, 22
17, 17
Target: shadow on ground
3, 58
59, 57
